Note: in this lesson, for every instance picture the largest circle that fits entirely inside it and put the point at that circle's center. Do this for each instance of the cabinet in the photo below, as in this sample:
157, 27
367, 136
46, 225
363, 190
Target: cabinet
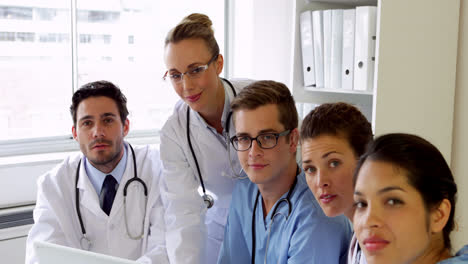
13, 244
415, 69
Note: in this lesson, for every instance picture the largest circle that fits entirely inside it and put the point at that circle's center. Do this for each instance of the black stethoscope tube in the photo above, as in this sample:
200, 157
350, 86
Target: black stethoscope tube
209, 201
77, 192
286, 200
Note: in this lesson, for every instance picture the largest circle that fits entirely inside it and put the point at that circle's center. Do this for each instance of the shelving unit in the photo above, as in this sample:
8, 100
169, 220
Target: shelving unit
320, 95
326, 95
414, 77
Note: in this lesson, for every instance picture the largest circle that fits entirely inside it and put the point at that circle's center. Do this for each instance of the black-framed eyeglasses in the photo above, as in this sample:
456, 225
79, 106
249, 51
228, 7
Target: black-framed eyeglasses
193, 73
264, 140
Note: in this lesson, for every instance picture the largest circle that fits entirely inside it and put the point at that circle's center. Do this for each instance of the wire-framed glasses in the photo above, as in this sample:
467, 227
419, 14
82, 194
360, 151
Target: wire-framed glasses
192, 73
264, 140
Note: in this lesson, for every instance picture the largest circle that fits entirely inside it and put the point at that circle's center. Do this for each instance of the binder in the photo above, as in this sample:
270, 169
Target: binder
336, 48
327, 46
347, 71
364, 50
317, 29
307, 48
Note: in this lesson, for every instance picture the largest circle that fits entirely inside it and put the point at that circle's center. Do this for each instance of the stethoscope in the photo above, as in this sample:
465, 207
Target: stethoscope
208, 199
286, 200
357, 258
85, 241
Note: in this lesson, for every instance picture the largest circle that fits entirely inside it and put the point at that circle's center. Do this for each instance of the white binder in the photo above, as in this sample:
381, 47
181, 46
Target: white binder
318, 46
336, 48
347, 71
364, 49
307, 47
327, 46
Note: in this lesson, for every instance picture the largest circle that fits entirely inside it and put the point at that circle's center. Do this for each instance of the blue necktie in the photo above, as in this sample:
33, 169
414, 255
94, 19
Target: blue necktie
106, 198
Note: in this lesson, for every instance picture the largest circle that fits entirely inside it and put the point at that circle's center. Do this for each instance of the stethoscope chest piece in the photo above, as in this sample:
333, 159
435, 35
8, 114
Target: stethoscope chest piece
208, 199
85, 243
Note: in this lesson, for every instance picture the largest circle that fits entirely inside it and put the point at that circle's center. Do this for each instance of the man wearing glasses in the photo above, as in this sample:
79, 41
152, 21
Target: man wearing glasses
274, 218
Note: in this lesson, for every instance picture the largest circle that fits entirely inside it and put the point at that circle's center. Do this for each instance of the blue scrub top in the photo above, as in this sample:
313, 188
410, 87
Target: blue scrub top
460, 257
308, 236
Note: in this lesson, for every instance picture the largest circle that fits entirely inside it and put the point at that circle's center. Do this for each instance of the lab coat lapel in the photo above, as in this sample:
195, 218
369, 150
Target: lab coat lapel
88, 196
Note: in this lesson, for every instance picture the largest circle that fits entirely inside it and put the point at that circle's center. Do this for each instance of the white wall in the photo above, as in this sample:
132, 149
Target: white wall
12, 250
262, 40
460, 131
19, 182
415, 83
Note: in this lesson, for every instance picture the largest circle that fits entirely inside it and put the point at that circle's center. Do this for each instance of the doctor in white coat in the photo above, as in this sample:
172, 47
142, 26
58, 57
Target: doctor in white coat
71, 208
200, 168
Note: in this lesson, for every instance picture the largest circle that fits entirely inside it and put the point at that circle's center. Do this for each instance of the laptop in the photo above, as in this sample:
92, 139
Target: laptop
48, 253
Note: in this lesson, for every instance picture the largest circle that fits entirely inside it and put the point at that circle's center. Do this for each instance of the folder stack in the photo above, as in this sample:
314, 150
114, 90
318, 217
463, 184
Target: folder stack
338, 48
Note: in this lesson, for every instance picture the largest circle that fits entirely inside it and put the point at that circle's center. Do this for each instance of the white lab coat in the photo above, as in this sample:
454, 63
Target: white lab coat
194, 233
56, 219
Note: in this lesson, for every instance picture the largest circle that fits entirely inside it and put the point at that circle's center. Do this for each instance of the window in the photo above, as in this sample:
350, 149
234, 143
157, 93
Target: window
91, 16
7, 36
15, 12
45, 13
35, 74
39, 75
54, 37
137, 67
25, 36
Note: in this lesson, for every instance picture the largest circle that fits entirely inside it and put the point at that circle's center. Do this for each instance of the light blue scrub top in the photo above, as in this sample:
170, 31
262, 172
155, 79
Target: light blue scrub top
460, 257
308, 236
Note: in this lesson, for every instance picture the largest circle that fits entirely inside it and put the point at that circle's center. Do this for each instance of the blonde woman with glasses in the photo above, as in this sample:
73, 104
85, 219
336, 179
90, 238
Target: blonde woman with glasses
199, 166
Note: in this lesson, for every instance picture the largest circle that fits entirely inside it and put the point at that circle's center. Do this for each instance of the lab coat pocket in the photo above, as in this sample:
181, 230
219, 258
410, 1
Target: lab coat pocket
215, 222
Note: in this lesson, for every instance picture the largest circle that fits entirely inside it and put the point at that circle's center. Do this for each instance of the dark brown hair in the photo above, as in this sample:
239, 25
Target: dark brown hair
338, 119
100, 88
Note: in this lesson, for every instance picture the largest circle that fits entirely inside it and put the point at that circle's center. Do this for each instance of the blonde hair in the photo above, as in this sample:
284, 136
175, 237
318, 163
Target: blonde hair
191, 27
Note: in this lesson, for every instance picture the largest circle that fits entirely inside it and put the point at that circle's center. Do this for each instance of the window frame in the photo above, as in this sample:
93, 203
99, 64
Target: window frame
66, 143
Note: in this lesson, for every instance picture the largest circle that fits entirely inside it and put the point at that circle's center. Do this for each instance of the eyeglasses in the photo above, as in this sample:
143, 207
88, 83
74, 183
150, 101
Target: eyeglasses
193, 73
264, 140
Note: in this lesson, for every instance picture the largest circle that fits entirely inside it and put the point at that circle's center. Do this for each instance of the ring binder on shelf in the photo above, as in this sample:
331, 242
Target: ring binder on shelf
364, 50
308, 67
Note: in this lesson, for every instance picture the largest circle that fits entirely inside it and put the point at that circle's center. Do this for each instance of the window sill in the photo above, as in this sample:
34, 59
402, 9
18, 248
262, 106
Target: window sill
15, 153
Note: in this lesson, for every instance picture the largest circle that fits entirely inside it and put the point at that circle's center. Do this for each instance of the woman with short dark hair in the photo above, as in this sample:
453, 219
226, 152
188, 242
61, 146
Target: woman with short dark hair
333, 136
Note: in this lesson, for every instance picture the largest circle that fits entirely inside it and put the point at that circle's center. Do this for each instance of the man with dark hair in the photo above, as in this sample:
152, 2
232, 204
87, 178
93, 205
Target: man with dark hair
274, 217
105, 199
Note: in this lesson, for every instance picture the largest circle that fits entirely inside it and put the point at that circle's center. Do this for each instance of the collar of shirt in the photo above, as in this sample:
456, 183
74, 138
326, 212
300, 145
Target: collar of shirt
97, 177
227, 108
283, 208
